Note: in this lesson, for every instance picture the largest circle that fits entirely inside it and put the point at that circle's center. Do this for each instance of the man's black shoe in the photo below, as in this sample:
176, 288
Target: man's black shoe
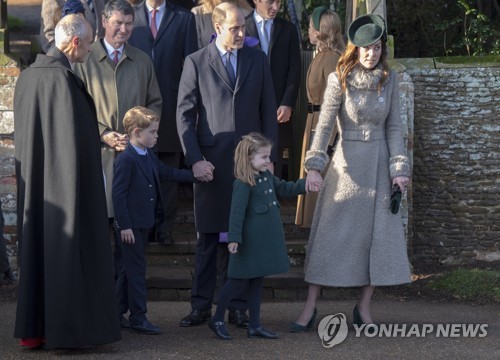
219, 329
196, 317
146, 328
239, 318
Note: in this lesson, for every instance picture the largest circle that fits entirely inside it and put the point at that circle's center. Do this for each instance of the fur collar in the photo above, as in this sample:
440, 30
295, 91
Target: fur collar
361, 78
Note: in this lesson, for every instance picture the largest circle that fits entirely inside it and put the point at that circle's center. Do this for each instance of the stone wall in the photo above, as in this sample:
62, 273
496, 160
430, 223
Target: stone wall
9, 72
456, 174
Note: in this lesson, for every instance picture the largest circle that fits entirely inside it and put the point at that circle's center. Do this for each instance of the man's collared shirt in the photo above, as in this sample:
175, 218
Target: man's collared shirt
111, 50
139, 150
234, 58
269, 24
160, 11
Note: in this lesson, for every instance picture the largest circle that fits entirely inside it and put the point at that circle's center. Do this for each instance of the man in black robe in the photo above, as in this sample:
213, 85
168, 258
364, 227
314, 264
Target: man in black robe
66, 287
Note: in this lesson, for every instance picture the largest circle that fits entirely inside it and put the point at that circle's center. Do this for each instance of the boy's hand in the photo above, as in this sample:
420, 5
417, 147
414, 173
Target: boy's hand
128, 236
232, 247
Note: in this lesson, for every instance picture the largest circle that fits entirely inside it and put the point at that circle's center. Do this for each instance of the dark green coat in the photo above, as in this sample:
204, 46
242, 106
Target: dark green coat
255, 223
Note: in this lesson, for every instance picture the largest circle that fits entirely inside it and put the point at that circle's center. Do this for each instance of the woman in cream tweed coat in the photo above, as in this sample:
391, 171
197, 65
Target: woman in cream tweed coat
355, 240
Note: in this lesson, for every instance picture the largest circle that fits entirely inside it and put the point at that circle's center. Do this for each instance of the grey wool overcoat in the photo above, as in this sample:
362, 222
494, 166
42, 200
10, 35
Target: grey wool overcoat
355, 240
212, 117
255, 224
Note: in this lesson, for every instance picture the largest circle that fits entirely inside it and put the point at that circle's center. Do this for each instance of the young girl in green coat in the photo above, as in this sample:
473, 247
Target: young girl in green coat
256, 240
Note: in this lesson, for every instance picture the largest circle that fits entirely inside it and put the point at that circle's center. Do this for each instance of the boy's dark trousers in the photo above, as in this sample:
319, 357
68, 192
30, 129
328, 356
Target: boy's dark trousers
130, 286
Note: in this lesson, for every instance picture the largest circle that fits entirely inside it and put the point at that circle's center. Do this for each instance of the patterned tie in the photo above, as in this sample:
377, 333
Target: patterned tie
154, 28
230, 69
90, 5
264, 42
115, 56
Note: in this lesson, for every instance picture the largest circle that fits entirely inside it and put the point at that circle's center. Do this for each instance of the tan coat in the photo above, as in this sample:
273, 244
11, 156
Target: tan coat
51, 13
355, 240
322, 65
115, 90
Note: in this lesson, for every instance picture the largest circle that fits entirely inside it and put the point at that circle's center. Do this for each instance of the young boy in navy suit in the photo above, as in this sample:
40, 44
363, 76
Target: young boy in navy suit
136, 200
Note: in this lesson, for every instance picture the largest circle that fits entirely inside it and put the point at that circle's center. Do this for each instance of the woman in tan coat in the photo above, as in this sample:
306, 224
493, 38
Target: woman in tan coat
325, 33
356, 241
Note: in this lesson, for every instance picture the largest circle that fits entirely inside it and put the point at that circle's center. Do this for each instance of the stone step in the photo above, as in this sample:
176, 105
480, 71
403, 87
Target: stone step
184, 221
173, 283
170, 268
181, 253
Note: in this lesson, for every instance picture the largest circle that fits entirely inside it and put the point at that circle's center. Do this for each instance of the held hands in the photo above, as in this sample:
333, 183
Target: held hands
314, 181
203, 171
115, 140
232, 247
402, 181
284, 114
127, 236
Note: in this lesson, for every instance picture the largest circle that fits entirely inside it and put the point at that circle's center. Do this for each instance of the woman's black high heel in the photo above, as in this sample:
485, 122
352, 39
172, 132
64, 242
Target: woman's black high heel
356, 320
294, 327
356, 317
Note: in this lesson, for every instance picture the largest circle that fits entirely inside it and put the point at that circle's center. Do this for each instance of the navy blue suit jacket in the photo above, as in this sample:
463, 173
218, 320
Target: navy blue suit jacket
135, 194
176, 39
285, 63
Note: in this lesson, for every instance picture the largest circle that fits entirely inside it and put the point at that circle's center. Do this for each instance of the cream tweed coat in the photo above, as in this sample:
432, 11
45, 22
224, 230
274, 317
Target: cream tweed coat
355, 240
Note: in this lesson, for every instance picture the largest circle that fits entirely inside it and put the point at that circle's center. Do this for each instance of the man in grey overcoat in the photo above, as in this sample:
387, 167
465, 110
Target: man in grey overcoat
226, 91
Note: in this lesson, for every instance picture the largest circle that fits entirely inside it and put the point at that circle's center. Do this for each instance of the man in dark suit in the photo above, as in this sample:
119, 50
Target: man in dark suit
225, 92
279, 39
167, 37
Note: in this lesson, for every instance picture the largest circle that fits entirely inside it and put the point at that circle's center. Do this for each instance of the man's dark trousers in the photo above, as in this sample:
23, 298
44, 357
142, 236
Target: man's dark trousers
205, 276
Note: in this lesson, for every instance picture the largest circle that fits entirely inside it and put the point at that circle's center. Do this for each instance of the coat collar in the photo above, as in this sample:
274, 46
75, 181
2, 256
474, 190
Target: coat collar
59, 55
57, 59
251, 30
142, 18
216, 64
361, 78
100, 53
130, 149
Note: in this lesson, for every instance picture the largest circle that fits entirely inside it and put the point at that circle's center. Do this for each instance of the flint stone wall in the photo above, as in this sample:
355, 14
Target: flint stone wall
9, 71
456, 174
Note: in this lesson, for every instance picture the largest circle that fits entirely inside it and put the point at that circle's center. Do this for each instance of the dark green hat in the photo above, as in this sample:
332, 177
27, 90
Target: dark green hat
366, 30
316, 16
